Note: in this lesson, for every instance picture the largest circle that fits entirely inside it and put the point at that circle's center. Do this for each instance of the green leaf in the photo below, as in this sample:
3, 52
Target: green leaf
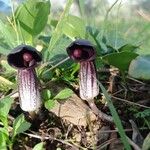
4, 131
113, 40
4, 121
39, 146
32, 17
128, 48
7, 67
99, 63
143, 114
5, 84
64, 94
146, 144
20, 125
5, 105
46, 94
120, 60
74, 27
3, 145
4, 136
49, 104
56, 35
4, 51
5, 81
6, 34
59, 50
54, 22
116, 118
140, 67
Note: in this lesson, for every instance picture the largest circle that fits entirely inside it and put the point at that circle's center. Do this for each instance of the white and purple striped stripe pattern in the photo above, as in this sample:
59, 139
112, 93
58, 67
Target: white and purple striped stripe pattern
28, 90
88, 81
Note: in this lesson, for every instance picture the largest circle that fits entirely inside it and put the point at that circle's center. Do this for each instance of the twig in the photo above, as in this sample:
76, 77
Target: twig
117, 92
53, 67
135, 146
108, 11
68, 130
106, 143
51, 138
44, 64
98, 112
136, 80
132, 103
126, 130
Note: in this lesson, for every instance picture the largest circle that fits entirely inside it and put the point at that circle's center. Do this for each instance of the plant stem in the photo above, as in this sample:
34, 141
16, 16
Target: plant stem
53, 67
99, 113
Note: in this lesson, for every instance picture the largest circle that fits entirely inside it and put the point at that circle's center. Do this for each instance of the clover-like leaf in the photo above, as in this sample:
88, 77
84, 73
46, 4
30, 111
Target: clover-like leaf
20, 125
64, 94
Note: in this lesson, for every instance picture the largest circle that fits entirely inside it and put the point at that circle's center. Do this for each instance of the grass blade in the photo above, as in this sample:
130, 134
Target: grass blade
116, 118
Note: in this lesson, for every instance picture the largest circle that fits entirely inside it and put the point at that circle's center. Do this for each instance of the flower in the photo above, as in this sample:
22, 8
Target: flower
83, 52
25, 58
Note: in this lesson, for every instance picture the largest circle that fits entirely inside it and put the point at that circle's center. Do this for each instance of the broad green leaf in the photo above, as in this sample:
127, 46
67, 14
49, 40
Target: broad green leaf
93, 35
20, 125
49, 104
31, 17
128, 48
4, 50
6, 34
66, 93
39, 146
46, 94
59, 50
146, 144
57, 34
120, 60
5, 105
74, 27
116, 118
114, 40
140, 67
